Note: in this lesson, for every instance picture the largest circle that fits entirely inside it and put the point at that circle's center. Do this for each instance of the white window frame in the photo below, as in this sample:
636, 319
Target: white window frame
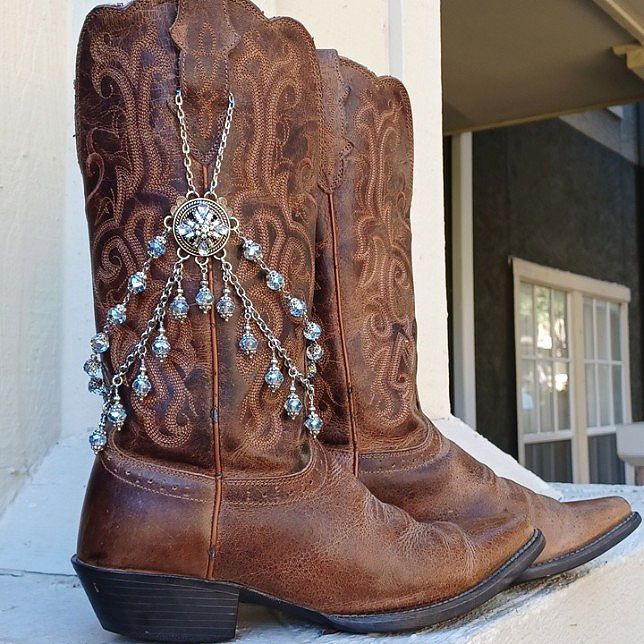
576, 287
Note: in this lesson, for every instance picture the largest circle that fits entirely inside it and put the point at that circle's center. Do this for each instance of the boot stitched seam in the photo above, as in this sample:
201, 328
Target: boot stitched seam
150, 489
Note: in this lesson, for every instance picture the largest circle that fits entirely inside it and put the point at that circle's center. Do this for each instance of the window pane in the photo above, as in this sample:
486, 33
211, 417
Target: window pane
542, 302
591, 396
602, 330
615, 333
550, 461
605, 465
546, 406
589, 331
562, 391
528, 397
526, 320
618, 402
603, 386
560, 324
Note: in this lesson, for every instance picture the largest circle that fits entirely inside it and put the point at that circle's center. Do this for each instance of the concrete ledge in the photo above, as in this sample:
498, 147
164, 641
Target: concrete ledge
41, 602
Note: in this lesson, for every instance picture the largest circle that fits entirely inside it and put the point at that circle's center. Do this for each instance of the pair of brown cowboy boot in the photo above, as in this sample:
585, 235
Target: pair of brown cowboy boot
211, 484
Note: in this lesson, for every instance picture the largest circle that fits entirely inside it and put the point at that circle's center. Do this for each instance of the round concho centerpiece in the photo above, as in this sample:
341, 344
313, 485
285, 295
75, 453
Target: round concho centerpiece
201, 226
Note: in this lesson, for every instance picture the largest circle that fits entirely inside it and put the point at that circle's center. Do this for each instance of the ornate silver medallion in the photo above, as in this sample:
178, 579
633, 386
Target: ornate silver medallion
201, 226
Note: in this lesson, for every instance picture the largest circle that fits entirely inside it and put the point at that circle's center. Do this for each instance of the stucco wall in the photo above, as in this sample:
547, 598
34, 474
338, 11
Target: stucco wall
32, 207
46, 315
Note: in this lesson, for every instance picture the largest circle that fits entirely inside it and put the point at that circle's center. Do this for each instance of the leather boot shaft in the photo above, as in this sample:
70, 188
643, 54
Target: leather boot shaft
369, 398
209, 408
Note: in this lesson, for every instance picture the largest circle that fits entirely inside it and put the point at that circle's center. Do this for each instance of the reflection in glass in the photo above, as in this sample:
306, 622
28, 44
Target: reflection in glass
618, 403
546, 395
562, 392
603, 390
589, 331
528, 397
526, 320
591, 396
542, 303
559, 329
605, 465
602, 330
552, 461
615, 333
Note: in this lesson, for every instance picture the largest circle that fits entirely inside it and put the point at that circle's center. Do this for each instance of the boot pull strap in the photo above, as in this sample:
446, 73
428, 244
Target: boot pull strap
205, 37
335, 92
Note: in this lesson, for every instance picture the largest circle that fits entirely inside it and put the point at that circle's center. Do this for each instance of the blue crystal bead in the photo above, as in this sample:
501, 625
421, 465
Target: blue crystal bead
314, 352
312, 331
117, 314
92, 367
248, 343
97, 441
273, 378
313, 423
161, 347
225, 307
179, 308
100, 343
141, 386
296, 307
156, 247
293, 405
137, 283
275, 281
95, 386
117, 415
205, 299
252, 251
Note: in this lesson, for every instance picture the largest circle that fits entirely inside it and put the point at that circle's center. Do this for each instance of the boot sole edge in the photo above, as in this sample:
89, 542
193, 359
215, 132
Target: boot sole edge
167, 608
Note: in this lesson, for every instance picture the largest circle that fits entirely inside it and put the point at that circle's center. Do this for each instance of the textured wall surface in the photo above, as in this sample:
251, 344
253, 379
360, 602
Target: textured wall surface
546, 193
32, 180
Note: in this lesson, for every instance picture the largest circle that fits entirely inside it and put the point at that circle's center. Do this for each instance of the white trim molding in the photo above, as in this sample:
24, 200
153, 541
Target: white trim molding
463, 359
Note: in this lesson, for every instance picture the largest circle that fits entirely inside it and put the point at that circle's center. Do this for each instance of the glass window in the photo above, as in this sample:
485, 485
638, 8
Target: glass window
547, 364
605, 465
552, 461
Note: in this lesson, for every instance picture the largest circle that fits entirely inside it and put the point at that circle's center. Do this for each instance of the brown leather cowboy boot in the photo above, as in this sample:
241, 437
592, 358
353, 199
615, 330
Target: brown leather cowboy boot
365, 302
206, 488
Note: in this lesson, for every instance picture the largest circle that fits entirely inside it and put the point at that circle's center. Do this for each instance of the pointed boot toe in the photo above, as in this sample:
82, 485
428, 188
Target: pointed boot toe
577, 532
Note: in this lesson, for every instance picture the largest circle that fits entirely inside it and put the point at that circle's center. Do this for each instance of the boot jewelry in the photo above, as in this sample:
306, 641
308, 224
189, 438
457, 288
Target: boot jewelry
202, 228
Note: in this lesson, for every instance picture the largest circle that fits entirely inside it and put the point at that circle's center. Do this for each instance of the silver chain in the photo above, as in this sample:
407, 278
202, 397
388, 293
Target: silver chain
273, 342
185, 148
157, 318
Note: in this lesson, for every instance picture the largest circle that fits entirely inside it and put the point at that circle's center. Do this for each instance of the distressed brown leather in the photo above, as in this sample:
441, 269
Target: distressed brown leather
366, 307
207, 478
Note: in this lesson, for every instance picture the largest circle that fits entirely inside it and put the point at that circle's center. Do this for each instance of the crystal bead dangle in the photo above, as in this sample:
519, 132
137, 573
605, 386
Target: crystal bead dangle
117, 414
313, 422
93, 367
248, 342
226, 306
274, 377
293, 404
142, 385
160, 346
179, 307
204, 298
